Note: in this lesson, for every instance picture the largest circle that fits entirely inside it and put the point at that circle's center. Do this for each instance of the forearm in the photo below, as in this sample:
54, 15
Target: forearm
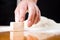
30, 0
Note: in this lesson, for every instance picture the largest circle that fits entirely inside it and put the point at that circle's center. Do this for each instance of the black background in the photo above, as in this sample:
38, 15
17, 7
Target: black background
50, 9
7, 8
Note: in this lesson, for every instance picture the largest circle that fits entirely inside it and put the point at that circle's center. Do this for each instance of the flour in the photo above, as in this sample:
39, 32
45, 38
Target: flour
43, 29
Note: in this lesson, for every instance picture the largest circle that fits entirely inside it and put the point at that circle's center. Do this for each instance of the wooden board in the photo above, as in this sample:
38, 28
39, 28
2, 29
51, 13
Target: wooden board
6, 36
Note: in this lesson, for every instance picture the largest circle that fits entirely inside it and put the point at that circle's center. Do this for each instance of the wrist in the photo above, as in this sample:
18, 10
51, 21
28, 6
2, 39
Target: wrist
35, 1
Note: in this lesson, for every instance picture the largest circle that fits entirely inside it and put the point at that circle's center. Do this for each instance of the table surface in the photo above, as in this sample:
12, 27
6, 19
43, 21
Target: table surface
6, 36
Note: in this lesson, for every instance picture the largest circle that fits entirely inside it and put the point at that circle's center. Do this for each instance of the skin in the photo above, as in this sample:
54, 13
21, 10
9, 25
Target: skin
27, 6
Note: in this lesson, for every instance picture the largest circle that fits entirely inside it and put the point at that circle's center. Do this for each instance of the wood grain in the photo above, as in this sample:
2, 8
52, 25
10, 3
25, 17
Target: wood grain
6, 36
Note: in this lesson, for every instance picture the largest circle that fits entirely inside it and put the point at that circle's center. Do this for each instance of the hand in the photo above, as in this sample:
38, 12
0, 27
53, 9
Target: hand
31, 8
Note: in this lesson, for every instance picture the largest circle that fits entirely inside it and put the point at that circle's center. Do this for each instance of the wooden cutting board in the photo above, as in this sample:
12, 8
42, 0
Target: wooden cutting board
6, 36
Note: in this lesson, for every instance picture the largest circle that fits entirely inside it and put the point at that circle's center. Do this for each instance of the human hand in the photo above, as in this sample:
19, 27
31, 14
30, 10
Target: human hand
31, 8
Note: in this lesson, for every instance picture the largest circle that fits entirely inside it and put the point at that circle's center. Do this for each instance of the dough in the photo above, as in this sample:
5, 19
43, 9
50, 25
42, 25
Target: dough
44, 29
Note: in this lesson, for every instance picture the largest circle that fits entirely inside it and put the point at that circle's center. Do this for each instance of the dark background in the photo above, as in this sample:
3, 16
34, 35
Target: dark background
7, 8
49, 8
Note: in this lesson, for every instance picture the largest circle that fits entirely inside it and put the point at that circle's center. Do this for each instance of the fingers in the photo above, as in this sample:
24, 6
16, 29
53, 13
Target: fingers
17, 15
23, 9
37, 17
31, 14
20, 11
34, 14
